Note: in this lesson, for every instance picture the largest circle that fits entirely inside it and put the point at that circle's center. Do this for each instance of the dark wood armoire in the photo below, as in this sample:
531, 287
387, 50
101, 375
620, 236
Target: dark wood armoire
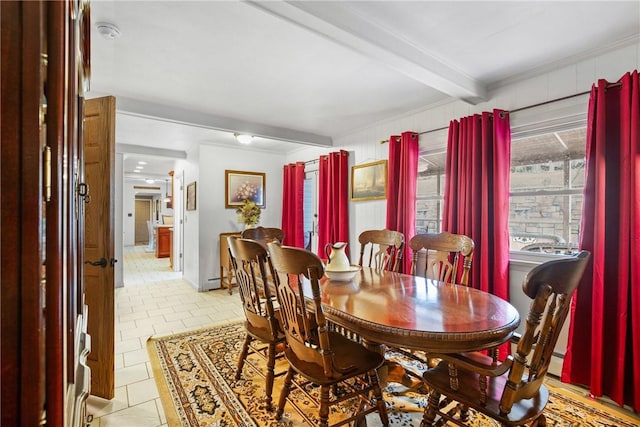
45, 71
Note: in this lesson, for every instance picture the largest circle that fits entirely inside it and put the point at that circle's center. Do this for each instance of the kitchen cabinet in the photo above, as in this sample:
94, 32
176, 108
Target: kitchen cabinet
163, 241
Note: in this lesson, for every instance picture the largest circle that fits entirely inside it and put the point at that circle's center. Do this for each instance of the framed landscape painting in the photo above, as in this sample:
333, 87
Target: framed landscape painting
369, 181
241, 186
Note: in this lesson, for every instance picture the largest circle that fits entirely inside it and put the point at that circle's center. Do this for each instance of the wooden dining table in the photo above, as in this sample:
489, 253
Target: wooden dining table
399, 310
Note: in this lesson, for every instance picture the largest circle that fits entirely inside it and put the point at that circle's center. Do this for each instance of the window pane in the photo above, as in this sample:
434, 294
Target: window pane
577, 173
576, 218
552, 162
547, 175
545, 223
428, 216
427, 186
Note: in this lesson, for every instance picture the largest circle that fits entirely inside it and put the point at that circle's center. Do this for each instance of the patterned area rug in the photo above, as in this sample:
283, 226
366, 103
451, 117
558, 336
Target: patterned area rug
195, 375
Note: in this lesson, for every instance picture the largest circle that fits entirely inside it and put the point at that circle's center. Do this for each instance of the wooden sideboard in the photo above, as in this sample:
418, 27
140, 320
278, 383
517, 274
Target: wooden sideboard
226, 269
163, 241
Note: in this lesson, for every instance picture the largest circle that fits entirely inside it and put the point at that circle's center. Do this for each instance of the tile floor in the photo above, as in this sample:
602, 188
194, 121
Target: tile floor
153, 301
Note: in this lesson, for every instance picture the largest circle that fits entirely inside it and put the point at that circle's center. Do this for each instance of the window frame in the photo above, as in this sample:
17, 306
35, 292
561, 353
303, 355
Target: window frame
560, 115
565, 114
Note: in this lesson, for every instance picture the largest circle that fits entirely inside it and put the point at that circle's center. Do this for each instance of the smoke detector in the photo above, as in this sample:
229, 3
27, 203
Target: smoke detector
108, 31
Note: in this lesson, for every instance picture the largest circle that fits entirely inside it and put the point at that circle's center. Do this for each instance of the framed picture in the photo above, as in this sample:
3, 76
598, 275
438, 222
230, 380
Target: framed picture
369, 181
191, 196
241, 186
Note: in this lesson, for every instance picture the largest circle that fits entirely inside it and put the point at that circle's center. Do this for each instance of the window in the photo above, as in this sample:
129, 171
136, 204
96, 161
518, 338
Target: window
430, 186
547, 179
310, 207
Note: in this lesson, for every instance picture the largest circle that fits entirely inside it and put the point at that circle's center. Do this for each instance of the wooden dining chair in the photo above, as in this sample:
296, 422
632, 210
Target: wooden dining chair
444, 256
264, 234
263, 333
316, 355
381, 249
511, 392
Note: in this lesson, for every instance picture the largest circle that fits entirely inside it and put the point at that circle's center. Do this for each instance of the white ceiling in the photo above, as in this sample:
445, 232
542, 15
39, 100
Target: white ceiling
186, 72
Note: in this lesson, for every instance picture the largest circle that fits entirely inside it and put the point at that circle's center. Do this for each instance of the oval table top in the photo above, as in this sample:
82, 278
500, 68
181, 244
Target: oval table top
407, 311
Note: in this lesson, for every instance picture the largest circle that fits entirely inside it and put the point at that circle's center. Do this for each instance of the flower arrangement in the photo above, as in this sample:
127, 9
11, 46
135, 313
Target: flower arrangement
249, 213
246, 191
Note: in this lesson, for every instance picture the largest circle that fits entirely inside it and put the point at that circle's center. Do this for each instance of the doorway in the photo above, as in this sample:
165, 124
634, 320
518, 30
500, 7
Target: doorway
143, 212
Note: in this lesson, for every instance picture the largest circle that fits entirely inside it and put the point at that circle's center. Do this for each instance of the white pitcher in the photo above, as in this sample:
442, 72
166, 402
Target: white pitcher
336, 257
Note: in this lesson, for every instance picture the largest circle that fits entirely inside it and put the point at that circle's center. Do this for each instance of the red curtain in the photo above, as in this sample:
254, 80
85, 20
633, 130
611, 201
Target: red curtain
333, 200
604, 334
401, 188
292, 204
476, 198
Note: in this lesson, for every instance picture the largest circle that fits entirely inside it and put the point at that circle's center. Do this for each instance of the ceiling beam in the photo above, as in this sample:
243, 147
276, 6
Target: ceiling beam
150, 151
341, 24
195, 118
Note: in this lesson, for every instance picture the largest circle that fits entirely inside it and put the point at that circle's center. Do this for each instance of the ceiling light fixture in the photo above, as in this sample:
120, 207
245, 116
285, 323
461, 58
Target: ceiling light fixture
142, 163
108, 30
243, 138
149, 181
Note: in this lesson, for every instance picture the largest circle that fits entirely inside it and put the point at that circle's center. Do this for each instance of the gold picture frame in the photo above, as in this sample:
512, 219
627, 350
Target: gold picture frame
241, 185
369, 181
191, 196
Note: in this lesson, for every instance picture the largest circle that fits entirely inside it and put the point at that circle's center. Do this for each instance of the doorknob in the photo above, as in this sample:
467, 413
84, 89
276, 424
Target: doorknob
102, 262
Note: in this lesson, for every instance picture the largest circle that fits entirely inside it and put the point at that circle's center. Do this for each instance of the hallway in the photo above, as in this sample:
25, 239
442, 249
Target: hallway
154, 301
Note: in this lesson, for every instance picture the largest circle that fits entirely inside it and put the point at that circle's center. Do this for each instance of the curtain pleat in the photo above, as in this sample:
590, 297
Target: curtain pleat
293, 204
401, 188
476, 197
333, 200
604, 333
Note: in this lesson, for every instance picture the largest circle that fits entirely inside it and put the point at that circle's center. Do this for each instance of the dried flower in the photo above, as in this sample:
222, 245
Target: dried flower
249, 213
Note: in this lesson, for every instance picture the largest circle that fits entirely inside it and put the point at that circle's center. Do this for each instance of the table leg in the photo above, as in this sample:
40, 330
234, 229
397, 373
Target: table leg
383, 371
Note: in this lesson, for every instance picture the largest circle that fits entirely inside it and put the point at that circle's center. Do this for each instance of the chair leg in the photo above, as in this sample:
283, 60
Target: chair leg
541, 421
271, 363
243, 355
377, 394
431, 410
464, 413
284, 393
324, 406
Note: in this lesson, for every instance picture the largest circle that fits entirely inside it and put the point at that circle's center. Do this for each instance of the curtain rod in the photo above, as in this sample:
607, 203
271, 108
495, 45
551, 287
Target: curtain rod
609, 86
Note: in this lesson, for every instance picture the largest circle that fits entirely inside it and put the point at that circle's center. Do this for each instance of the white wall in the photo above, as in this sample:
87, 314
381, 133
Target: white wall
203, 226
117, 213
178, 212
190, 226
128, 214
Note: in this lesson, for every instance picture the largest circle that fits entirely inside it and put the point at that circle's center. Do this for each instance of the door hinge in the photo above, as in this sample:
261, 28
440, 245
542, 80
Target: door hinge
47, 173
83, 191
